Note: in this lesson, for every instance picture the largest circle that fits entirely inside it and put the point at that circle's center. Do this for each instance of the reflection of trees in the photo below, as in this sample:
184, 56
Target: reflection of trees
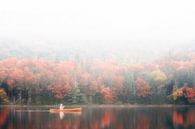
102, 118
96, 119
142, 122
90, 119
184, 118
106, 119
4, 114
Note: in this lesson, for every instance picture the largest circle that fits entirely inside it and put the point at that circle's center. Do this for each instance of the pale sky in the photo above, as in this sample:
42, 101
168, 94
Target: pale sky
165, 21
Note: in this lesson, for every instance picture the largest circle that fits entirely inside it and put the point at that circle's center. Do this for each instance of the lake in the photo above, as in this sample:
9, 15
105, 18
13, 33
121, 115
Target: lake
99, 118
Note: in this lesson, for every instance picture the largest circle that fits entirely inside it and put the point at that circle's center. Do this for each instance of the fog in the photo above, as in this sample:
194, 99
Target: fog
141, 27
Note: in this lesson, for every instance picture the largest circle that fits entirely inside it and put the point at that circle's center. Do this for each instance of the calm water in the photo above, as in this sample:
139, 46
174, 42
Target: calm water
99, 118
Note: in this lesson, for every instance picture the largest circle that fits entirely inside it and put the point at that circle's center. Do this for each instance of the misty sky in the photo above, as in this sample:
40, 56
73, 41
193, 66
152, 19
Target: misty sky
132, 21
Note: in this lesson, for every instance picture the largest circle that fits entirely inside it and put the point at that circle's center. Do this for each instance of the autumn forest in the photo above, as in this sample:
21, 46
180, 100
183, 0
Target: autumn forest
168, 79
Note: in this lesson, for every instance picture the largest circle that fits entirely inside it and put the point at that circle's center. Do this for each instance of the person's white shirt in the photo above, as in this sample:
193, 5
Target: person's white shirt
61, 106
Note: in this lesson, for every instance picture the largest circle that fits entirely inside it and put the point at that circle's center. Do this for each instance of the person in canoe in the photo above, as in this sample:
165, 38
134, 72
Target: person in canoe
61, 106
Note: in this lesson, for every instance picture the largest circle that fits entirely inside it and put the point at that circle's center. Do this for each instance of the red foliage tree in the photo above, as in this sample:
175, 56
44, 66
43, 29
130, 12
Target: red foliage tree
107, 94
142, 88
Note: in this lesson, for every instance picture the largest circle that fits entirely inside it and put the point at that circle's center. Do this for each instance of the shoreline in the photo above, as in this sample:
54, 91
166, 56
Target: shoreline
104, 106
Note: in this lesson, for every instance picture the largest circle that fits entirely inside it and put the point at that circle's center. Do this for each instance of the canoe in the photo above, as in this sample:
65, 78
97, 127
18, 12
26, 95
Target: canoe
66, 110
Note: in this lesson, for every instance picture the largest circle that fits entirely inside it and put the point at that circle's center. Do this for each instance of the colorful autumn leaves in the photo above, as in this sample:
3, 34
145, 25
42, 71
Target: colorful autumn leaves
110, 80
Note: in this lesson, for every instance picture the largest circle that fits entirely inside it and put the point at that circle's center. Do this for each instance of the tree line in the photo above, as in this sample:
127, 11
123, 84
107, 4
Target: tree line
97, 81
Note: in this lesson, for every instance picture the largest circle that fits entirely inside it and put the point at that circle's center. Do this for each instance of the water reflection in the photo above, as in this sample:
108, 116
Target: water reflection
184, 118
61, 114
100, 118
